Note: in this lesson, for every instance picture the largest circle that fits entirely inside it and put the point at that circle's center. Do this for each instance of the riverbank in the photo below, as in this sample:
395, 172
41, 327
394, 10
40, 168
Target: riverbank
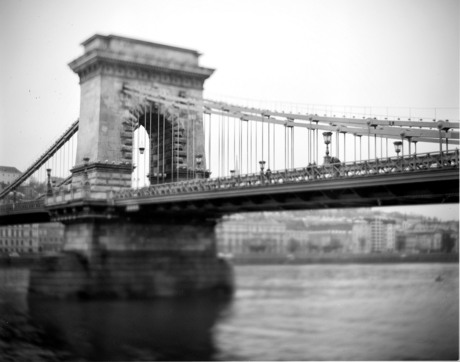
349, 259
30, 260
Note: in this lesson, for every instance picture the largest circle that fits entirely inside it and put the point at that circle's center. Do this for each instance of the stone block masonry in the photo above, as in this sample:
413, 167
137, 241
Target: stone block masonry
131, 274
117, 259
107, 116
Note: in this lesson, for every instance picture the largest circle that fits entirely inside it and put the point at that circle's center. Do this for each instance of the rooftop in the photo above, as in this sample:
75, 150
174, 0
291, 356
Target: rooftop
137, 41
149, 56
9, 169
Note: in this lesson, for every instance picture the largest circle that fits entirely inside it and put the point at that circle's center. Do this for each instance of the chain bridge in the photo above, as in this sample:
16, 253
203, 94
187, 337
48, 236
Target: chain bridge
151, 165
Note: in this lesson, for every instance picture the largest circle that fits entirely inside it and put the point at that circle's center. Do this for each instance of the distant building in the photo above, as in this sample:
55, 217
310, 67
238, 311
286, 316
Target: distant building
330, 237
265, 234
370, 235
8, 174
31, 238
430, 236
296, 237
242, 236
50, 237
383, 234
424, 241
361, 238
454, 235
19, 238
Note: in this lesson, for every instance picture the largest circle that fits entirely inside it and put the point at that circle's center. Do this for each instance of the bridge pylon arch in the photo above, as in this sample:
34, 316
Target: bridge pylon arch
109, 115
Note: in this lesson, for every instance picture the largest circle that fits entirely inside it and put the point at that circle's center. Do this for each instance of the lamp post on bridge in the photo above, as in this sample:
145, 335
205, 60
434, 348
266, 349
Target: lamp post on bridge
141, 149
49, 190
160, 177
232, 176
262, 166
398, 145
327, 140
443, 126
198, 160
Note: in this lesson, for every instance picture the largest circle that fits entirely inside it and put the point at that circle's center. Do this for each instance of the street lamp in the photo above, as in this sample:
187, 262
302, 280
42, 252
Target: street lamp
199, 160
49, 191
232, 173
443, 126
398, 145
262, 166
327, 140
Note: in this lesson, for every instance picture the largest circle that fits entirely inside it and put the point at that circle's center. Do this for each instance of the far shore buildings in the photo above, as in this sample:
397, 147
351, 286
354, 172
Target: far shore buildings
265, 235
377, 234
31, 238
241, 236
275, 235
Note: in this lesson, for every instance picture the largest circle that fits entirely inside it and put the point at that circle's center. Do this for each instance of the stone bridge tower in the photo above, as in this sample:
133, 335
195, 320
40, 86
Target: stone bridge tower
112, 253
108, 116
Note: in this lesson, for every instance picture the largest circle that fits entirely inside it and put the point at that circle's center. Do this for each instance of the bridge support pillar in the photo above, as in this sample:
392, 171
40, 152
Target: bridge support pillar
132, 259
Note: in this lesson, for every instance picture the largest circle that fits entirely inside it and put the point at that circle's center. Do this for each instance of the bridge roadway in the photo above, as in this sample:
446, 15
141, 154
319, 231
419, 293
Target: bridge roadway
425, 179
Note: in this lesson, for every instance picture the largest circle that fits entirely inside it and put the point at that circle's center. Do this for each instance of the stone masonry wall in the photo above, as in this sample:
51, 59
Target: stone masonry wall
132, 259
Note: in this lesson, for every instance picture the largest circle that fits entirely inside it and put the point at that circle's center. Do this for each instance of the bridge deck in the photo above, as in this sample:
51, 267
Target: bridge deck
425, 179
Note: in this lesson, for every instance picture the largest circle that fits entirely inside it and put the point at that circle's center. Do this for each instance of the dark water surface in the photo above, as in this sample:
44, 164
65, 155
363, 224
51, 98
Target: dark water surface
285, 312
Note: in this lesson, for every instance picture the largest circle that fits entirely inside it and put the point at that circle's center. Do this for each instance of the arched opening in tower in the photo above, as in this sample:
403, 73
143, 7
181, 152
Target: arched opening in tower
166, 147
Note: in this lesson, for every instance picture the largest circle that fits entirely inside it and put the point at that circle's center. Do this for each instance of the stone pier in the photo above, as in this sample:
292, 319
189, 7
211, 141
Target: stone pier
133, 259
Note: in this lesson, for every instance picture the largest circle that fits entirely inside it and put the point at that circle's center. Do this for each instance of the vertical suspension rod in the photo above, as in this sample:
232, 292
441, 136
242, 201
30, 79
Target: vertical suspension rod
234, 144
158, 144
209, 141
164, 146
274, 147
292, 147
285, 147
150, 143
247, 147
262, 157
194, 122
268, 141
316, 141
219, 138
228, 146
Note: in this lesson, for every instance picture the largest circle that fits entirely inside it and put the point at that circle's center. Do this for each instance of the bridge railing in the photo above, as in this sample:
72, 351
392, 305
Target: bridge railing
392, 165
311, 173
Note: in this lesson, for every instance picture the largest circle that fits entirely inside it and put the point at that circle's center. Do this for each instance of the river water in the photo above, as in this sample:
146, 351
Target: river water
278, 312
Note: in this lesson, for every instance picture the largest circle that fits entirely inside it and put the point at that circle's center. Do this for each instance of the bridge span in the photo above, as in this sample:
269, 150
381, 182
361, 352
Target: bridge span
425, 179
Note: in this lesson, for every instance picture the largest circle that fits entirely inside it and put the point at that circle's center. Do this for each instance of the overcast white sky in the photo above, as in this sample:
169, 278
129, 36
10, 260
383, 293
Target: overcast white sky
374, 53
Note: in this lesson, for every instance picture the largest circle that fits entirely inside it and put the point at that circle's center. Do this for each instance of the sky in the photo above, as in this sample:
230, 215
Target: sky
369, 53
